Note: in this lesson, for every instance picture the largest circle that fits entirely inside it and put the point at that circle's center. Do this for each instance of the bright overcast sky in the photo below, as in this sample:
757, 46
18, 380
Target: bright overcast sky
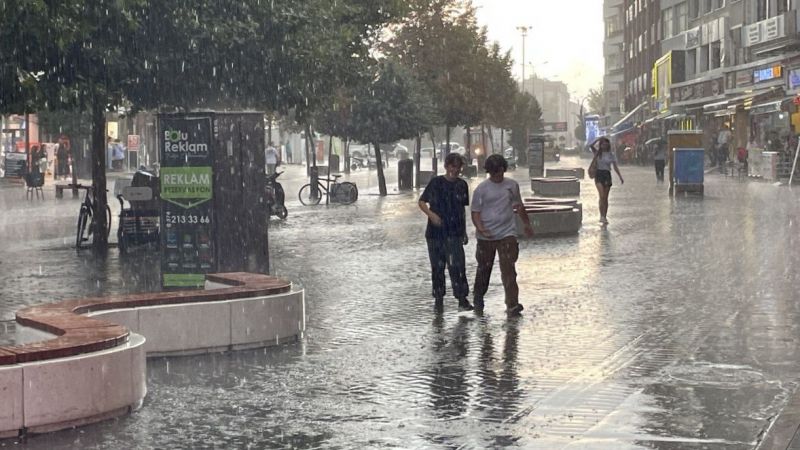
565, 43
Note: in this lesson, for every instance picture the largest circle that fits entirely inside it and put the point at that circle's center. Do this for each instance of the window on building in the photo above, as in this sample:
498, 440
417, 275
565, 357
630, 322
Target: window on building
691, 62
762, 10
719, 4
653, 34
702, 62
666, 23
783, 6
694, 8
716, 55
707, 6
681, 18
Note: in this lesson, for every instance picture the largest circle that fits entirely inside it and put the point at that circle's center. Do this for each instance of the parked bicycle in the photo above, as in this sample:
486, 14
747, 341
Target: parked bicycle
344, 192
86, 216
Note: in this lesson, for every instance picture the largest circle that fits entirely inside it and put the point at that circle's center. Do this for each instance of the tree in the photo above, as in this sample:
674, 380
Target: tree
597, 101
441, 44
527, 118
393, 106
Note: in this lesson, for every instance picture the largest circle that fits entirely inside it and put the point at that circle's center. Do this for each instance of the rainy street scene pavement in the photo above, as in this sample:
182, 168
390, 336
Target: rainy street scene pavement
213, 220
674, 327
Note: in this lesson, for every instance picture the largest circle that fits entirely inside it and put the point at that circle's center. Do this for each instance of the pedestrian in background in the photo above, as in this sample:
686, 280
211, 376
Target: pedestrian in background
602, 179
723, 144
659, 159
495, 201
443, 201
272, 158
62, 154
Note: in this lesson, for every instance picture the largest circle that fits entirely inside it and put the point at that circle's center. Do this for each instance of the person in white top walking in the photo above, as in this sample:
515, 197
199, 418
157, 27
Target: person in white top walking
495, 202
602, 179
273, 158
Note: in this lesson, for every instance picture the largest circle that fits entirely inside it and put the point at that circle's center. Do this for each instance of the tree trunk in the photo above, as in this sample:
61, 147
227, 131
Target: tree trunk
330, 170
434, 159
308, 149
269, 129
28, 162
347, 155
100, 238
381, 177
447, 141
491, 139
468, 153
417, 158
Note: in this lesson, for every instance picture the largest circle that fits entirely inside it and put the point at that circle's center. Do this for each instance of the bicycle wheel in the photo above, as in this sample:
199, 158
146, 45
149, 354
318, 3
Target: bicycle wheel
348, 193
306, 195
83, 217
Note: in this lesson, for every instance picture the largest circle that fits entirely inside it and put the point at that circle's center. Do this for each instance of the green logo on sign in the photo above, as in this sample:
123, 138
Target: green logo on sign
186, 186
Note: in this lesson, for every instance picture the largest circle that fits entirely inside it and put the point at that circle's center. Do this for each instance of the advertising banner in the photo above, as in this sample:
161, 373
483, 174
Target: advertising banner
187, 252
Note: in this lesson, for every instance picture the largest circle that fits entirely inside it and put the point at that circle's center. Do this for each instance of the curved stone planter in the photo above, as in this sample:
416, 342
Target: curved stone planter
576, 172
90, 365
556, 187
552, 217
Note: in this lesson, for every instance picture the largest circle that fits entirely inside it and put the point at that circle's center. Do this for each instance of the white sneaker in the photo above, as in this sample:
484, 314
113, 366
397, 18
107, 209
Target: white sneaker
603, 219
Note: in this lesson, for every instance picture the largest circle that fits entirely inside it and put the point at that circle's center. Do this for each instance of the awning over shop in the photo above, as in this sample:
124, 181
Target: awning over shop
626, 123
769, 107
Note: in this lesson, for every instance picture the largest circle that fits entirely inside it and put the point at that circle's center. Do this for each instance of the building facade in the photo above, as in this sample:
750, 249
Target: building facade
642, 47
613, 77
731, 64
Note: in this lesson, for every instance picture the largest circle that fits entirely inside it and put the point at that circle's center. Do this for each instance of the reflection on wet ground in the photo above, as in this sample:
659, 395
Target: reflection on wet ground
675, 327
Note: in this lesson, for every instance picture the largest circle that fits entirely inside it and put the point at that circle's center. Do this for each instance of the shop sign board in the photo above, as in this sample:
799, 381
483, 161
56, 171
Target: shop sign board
697, 91
767, 74
662, 80
554, 127
134, 142
187, 254
794, 79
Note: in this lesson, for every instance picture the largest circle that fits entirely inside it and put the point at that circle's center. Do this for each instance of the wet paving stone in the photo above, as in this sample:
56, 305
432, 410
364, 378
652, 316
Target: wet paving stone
675, 327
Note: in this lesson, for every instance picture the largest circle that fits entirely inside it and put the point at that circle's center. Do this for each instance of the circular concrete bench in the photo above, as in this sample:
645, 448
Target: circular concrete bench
552, 217
556, 187
575, 172
82, 361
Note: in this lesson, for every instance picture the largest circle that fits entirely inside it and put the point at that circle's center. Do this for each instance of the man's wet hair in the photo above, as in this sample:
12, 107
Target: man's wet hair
454, 159
495, 164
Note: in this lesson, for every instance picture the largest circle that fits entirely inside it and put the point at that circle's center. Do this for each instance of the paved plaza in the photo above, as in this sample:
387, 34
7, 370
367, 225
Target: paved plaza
675, 327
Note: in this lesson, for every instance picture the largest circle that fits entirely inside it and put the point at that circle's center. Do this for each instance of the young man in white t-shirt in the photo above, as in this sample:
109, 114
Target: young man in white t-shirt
494, 203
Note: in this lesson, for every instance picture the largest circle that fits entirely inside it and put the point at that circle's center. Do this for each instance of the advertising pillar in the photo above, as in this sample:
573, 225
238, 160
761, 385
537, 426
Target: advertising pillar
536, 156
187, 253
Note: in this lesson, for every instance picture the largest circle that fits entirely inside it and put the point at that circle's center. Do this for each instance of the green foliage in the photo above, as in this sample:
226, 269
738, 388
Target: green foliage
442, 45
597, 101
393, 106
526, 118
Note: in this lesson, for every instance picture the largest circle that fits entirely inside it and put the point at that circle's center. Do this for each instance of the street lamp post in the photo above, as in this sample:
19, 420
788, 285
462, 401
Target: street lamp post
523, 29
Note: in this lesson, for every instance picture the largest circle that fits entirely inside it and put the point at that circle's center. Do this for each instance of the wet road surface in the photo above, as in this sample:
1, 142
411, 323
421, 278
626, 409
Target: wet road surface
675, 327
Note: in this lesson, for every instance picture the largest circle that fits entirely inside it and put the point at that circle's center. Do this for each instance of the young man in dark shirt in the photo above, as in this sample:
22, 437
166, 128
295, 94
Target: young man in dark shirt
444, 201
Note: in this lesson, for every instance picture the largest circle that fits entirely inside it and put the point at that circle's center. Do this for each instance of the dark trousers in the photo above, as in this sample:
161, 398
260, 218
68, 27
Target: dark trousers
660, 163
508, 251
448, 252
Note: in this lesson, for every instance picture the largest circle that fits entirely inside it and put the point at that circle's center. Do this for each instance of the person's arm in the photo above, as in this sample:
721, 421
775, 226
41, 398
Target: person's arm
519, 208
434, 218
616, 169
476, 220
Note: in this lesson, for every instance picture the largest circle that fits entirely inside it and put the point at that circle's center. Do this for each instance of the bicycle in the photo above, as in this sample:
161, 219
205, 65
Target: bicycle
86, 216
344, 192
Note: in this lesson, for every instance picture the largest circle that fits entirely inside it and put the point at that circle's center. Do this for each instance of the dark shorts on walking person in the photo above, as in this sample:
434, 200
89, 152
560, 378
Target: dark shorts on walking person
603, 178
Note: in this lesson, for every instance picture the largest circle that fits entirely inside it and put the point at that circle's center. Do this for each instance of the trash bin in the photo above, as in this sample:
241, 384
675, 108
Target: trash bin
405, 174
689, 164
